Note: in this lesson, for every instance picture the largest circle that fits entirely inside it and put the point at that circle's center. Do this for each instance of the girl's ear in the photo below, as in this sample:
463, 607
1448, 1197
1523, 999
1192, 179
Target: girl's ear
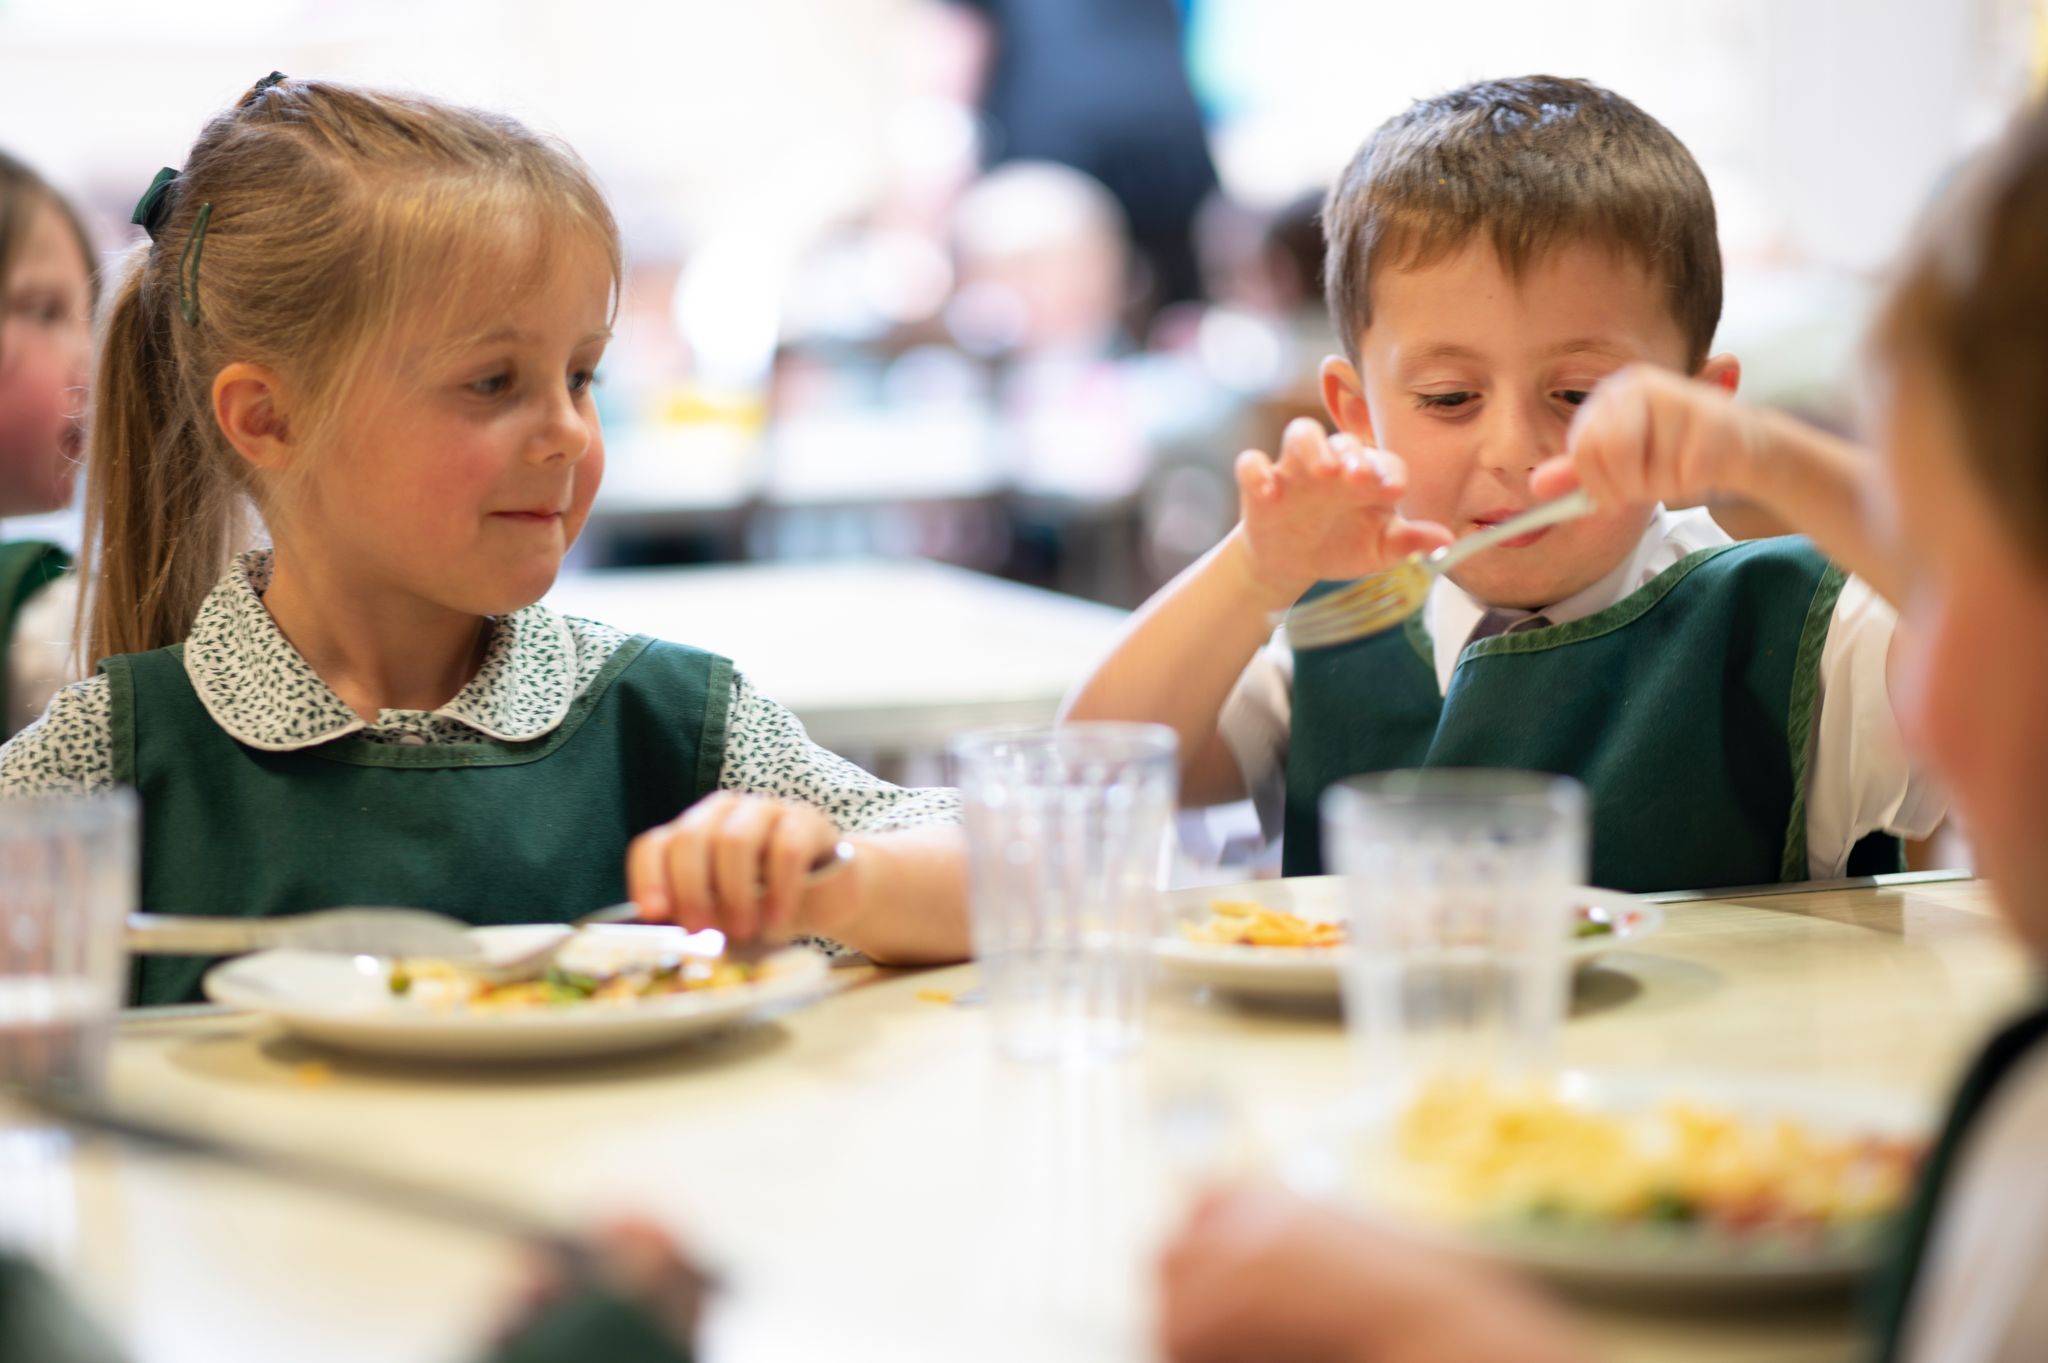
1723, 371
1344, 397
250, 406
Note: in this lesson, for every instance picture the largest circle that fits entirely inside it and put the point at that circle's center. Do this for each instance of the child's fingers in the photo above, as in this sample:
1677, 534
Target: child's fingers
736, 864
1373, 477
797, 840
645, 884
1256, 481
685, 863
1304, 452
1606, 445
1553, 478
1405, 537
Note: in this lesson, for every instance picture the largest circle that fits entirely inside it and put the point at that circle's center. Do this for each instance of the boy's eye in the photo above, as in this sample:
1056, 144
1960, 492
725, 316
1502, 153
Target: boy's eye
583, 380
1572, 397
491, 385
1443, 401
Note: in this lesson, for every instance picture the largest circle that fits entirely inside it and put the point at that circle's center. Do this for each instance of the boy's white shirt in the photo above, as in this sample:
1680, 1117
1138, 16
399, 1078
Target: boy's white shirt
1983, 1290
1859, 780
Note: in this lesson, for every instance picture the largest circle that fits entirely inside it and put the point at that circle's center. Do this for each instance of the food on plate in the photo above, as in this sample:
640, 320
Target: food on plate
1244, 924
1235, 923
1475, 1153
437, 982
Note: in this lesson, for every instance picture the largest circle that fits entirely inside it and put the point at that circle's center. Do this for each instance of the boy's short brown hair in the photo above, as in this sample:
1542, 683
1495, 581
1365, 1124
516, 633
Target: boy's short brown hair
1533, 163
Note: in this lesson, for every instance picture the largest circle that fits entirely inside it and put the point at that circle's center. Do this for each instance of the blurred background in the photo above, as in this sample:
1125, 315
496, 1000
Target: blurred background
1006, 284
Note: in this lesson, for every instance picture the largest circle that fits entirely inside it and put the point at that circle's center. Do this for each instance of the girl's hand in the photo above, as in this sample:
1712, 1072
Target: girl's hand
732, 862
1264, 1275
1326, 508
1649, 435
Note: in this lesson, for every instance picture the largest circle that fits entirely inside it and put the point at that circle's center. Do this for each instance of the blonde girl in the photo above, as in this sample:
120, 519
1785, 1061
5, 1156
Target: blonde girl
46, 298
372, 321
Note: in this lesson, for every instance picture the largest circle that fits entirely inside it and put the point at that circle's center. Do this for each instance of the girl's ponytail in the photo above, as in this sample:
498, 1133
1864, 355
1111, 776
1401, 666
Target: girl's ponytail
163, 514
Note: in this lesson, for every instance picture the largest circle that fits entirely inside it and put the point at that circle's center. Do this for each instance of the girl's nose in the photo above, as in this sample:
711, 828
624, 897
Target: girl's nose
568, 434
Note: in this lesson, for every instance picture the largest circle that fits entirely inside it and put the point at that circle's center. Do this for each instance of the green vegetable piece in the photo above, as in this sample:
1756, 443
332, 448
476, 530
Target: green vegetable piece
1671, 1208
578, 986
400, 981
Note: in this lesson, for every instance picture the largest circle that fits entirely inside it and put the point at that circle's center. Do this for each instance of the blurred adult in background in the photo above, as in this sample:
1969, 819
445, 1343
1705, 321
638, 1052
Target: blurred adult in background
1099, 85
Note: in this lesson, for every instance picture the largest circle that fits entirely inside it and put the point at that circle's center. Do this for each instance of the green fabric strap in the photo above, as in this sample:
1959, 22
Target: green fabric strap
489, 832
1686, 708
592, 1327
26, 567
38, 1322
1892, 1299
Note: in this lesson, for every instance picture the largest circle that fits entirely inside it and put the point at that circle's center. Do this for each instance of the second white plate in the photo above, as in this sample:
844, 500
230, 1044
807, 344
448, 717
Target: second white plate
1316, 972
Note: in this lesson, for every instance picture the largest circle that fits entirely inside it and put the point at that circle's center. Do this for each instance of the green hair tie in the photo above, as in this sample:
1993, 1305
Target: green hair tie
150, 209
188, 266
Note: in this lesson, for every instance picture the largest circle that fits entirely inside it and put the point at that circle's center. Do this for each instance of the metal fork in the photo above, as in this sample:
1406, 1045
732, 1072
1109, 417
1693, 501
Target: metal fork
1385, 599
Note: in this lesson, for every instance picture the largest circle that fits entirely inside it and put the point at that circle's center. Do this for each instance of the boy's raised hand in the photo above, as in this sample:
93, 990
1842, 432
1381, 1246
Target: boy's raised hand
736, 863
1649, 435
1325, 509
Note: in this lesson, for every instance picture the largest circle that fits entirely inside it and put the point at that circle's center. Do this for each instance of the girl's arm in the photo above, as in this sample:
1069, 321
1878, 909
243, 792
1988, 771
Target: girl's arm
737, 859
738, 863
903, 901
1324, 509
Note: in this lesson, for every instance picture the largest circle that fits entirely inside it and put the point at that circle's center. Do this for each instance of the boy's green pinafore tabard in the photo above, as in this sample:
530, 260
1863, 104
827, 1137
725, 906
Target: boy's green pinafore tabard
1686, 708
26, 567
490, 832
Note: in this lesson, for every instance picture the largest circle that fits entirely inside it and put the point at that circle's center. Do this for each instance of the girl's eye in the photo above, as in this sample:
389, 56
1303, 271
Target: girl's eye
1443, 401
583, 380
491, 386
1572, 397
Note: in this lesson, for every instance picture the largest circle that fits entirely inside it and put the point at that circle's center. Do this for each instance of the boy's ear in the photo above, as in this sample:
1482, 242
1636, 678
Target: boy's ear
1344, 398
1723, 371
249, 405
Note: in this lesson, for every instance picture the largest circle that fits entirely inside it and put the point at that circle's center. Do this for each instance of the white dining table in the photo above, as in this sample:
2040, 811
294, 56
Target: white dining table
875, 656
873, 1183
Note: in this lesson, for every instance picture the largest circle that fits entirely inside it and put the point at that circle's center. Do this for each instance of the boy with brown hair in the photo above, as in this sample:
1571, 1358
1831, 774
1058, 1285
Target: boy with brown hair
1494, 254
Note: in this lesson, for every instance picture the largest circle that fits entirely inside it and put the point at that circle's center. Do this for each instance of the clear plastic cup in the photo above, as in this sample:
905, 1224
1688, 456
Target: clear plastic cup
67, 885
1066, 829
1460, 888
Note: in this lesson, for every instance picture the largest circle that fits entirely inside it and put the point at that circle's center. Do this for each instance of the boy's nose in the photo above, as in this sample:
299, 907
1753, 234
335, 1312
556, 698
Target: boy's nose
1518, 439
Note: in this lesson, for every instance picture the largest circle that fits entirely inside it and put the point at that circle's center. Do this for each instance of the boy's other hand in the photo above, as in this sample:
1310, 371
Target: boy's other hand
1325, 509
1648, 435
732, 862
1257, 1274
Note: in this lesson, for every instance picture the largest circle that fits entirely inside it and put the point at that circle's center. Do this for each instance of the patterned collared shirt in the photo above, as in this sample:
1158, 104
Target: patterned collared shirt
263, 693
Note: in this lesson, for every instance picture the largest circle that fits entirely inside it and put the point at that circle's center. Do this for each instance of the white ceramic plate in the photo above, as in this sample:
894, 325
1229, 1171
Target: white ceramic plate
1315, 972
1653, 1261
346, 1002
